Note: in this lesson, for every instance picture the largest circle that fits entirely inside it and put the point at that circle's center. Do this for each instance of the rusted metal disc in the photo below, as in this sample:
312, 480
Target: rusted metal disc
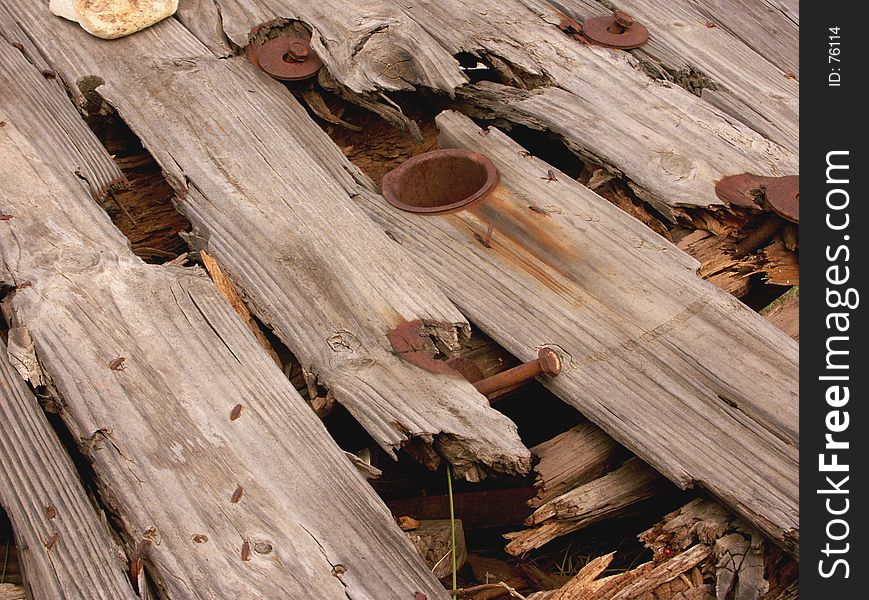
736, 189
440, 181
605, 31
783, 195
288, 58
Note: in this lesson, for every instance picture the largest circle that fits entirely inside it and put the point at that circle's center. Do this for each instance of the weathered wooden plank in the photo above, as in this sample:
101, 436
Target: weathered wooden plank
717, 51
148, 365
672, 145
77, 150
66, 547
681, 373
368, 46
268, 195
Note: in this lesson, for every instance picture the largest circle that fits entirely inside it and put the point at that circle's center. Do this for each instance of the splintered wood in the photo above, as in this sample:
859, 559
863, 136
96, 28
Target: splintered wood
613, 495
700, 552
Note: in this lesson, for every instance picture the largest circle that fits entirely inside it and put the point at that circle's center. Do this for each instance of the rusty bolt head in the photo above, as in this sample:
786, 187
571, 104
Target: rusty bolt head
298, 51
622, 18
550, 362
783, 195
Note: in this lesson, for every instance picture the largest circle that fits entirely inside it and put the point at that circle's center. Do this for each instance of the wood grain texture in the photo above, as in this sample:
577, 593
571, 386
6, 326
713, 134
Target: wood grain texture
570, 459
672, 145
78, 151
694, 382
268, 195
742, 61
66, 548
147, 364
611, 496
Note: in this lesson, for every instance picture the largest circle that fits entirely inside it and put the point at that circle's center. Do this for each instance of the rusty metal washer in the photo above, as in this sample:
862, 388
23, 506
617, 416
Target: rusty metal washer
618, 30
288, 58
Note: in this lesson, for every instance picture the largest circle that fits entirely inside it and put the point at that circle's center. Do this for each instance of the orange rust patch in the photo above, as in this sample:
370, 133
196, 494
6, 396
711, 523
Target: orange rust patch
411, 344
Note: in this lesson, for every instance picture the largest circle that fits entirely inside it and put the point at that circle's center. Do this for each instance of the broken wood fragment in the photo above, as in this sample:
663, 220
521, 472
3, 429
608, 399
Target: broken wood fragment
570, 459
611, 496
433, 542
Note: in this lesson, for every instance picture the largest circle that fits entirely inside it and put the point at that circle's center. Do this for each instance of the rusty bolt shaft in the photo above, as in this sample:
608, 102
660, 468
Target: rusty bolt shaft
548, 363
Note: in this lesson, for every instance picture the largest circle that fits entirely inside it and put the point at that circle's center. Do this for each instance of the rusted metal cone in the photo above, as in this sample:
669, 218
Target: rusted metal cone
440, 181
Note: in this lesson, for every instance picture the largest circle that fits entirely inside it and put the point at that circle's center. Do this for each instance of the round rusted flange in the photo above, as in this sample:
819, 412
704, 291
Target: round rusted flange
440, 181
618, 30
783, 195
288, 58
736, 189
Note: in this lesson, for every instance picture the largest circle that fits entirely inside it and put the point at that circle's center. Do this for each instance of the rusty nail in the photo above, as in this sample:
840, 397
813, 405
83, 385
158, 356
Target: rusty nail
245, 551
623, 19
547, 363
758, 237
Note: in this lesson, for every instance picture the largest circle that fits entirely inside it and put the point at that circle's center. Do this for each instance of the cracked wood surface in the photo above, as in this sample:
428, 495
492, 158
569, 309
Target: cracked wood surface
269, 197
147, 364
694, 382
64, 543
671, 144
742, 54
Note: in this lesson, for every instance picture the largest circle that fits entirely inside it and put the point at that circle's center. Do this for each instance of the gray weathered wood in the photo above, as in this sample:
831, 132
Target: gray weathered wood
568, 460
270, 200
65, 544
265, 505
608, 497
691, 41
681, 373
672, 145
